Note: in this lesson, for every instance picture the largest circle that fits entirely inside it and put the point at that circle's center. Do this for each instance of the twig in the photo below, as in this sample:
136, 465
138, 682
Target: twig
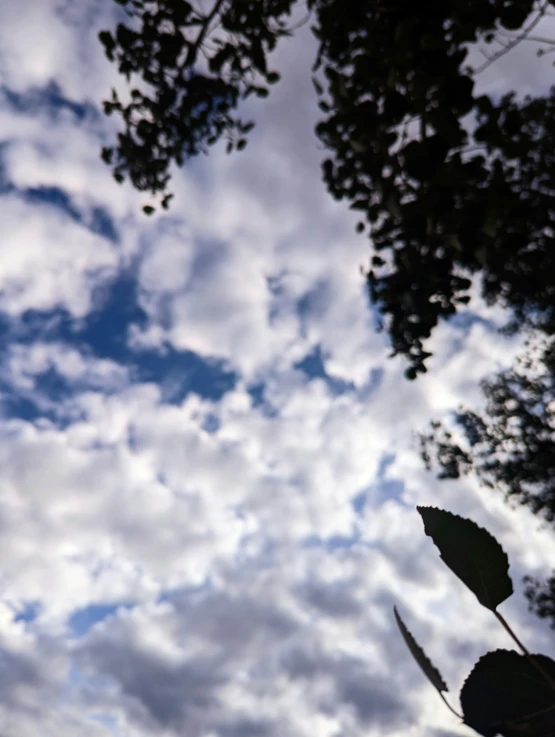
515, 41
525, 650
448, 705
192, 52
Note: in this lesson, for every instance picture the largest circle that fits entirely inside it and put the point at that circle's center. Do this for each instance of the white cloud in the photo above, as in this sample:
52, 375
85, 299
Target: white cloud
49, 262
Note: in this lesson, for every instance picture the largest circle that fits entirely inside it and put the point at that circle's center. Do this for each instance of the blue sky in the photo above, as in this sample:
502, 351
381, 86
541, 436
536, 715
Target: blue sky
208, 463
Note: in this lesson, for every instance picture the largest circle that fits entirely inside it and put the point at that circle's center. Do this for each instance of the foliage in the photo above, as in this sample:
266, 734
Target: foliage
434, 676
509, 445
541, 597
451, 183
443, 203
519, 699
471, 553
506, 693
196, 67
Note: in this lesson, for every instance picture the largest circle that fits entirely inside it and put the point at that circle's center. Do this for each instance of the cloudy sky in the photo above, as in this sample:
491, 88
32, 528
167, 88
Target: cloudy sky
208, 469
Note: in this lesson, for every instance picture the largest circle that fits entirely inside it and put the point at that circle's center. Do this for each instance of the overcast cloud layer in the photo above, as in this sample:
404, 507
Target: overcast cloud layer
208, 470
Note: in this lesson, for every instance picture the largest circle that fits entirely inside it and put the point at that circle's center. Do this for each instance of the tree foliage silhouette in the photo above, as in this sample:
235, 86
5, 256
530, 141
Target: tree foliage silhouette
509, 445
452, 184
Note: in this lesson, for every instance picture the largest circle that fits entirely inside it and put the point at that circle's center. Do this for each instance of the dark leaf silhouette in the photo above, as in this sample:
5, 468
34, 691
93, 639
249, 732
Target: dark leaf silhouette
420, 656
506, 694
472, 553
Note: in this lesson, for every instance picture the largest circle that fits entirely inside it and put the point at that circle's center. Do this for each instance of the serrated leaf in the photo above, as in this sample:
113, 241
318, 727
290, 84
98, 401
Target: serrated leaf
472, 553
429, 669
506, 694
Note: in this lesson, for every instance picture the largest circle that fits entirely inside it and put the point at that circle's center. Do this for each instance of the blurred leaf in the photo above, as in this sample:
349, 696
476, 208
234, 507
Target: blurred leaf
317, 86
472, 553
514, 15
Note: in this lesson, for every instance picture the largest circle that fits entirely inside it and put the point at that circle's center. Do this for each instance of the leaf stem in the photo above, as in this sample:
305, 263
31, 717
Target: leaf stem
448, 705
506, 625
525, 650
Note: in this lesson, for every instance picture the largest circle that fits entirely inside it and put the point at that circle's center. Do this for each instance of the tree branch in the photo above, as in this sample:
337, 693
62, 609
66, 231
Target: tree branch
193, 49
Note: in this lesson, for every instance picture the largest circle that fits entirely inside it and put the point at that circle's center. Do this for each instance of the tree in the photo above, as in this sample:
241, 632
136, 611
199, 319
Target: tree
509, 445
197, 67
453, 185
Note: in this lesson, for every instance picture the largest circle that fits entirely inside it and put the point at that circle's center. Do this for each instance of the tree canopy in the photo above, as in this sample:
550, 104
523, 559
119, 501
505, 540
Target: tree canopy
451, 184
510, 445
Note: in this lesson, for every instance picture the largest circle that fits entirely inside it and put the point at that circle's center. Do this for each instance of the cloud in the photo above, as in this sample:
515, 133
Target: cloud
222, 659
209, 471
63, 275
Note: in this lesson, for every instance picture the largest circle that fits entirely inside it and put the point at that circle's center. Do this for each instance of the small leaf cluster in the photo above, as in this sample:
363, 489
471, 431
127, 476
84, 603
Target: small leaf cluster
506, 693
194, 68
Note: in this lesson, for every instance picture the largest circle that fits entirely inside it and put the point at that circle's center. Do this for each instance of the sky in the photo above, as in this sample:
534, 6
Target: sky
209, 468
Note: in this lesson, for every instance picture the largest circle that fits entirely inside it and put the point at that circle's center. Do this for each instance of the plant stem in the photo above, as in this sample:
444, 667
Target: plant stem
448, 705
525, 650
505, 624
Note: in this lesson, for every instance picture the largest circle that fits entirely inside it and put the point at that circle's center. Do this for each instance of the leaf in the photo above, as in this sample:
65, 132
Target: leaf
257, 54
513, 16
107, 154
317, 86
506, 694
106, 39
420, 656
166, 201
219, 59
472, 553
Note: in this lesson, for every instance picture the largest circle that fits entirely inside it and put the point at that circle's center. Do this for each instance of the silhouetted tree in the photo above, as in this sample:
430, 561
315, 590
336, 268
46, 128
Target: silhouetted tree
452, 184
